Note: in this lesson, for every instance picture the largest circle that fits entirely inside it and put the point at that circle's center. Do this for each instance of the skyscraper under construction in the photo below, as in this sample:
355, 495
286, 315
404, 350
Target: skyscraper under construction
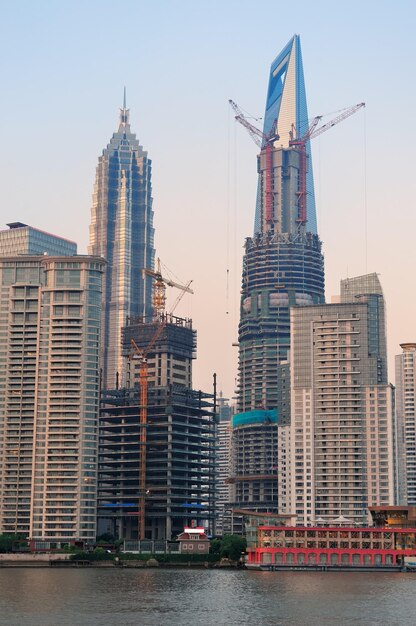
157, 471
283, 266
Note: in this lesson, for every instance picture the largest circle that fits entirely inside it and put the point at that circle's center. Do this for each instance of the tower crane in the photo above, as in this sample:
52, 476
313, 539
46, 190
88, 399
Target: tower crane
141, 354
265, 142
300, 144
159, 288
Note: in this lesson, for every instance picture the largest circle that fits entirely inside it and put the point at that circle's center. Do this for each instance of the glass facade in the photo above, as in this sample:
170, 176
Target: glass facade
23, 239
283, 264
286, 107
121, 231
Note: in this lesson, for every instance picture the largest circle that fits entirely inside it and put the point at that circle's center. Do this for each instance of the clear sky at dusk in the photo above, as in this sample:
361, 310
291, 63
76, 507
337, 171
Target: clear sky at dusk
63, 68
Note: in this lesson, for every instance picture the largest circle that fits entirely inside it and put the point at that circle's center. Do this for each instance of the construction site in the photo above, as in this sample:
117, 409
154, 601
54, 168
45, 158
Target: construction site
157, 434
254, 460
179, 463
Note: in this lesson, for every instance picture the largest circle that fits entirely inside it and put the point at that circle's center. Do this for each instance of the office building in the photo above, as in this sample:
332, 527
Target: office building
22, 239
49, 395
342, 422
121, 232
406, 424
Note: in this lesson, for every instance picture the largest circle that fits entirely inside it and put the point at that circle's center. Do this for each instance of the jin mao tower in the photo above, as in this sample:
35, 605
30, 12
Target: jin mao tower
122, 232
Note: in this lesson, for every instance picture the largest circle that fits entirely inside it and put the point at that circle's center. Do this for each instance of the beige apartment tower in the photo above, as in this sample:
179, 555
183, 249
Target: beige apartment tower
341, 429
49, 395
406, 424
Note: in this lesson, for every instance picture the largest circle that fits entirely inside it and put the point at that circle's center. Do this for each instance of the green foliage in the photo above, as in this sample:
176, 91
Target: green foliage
185, 558
12, 543
232, 547
170, 558
228, 547
215, 547
130, 556
99, 554
69, 548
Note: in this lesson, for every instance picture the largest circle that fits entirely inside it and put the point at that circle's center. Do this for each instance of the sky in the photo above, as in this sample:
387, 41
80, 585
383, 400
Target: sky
63, 66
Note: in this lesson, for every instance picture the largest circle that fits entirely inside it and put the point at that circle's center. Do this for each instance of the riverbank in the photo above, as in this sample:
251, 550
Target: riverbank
65, 561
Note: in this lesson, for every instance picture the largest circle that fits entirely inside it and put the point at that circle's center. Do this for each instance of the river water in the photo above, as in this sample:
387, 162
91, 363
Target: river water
100, 597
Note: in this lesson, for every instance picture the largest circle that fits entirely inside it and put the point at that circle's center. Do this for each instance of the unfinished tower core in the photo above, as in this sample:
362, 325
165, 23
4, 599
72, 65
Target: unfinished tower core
283, 264
157, 475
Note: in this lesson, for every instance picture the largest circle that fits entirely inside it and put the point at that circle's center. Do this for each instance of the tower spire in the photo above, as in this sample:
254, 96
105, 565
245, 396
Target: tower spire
124, 114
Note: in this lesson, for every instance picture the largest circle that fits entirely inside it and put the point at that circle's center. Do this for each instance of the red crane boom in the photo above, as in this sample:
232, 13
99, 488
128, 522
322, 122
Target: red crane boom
300, 145
265, 142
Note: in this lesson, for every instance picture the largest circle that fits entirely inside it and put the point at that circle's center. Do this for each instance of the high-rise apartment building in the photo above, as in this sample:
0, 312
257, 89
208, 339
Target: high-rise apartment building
342, 423
282, 267
223, 460
49, 395
121, 232
406, 424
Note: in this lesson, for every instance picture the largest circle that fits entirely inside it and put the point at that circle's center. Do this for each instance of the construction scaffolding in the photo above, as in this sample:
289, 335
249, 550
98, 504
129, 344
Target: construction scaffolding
279, 271
180, 462
177, 336
254, 464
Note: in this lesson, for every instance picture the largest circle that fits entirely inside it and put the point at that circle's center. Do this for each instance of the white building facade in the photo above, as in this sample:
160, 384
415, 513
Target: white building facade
49, 400
406, 423
342, 423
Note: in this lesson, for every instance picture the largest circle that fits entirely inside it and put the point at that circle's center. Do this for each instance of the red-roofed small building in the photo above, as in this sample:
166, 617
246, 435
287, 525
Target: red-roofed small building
193, 541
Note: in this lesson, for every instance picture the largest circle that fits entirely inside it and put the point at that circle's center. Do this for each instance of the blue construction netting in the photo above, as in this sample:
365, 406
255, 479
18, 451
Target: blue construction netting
259, 416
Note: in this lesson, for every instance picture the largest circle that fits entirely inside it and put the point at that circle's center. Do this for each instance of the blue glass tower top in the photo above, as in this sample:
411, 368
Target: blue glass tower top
286, 107
122, 232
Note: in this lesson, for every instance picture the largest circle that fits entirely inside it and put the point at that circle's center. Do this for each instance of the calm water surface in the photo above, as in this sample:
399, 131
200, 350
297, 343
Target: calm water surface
190, 597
